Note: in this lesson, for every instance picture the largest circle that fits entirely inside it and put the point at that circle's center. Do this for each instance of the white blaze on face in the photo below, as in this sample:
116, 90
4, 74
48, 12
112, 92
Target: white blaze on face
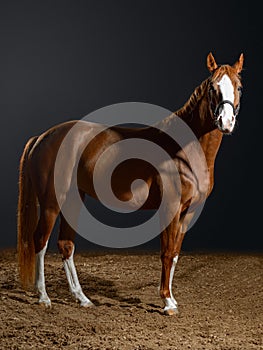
226, 115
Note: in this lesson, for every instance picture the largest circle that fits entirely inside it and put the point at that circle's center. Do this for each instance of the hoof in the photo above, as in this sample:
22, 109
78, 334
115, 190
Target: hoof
87, 304
171, 312
170, 307
44, 304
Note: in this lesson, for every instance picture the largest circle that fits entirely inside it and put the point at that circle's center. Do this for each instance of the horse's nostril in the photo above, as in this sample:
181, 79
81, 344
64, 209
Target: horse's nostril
233, 119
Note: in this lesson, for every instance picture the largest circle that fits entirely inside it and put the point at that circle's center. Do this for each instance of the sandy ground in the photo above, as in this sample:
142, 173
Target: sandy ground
219, 296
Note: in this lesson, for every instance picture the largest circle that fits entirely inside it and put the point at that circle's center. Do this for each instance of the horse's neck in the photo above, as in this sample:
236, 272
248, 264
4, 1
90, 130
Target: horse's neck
197, 114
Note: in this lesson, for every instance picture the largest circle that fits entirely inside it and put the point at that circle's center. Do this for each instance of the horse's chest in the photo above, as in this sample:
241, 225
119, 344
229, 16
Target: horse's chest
193, 187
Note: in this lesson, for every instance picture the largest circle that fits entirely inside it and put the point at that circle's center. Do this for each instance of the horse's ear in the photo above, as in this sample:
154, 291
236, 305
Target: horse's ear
211, 62
239, 64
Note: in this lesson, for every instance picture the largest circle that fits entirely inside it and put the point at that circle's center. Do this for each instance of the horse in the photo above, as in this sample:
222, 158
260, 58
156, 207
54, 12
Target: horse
210, 112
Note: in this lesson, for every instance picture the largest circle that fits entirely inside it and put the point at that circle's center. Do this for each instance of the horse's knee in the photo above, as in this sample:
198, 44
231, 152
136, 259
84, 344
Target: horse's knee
66, 248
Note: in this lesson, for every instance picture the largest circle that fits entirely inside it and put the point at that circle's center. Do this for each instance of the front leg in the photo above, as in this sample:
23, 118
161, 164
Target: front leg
171, 242
168, 267
169, 259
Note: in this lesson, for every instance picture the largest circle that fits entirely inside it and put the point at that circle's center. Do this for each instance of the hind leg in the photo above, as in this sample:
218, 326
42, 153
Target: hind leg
66, 247
44, 228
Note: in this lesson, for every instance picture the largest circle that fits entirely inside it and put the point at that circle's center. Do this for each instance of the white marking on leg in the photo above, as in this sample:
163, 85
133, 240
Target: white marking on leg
171, 303
40, 278
74, 285
175, 259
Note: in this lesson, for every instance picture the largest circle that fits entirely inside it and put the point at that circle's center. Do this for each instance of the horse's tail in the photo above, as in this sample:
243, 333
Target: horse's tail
26, 221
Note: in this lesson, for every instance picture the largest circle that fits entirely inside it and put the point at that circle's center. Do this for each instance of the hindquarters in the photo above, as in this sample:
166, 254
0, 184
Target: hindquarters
36, 186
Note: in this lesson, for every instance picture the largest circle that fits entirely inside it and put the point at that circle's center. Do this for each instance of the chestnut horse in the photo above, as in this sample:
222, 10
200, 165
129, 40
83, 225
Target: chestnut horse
210, 112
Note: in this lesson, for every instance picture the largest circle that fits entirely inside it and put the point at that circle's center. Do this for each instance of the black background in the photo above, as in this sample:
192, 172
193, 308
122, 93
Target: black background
61, 60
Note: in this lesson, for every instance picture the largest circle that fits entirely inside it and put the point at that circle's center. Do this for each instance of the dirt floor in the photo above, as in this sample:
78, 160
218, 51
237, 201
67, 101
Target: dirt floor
219, 296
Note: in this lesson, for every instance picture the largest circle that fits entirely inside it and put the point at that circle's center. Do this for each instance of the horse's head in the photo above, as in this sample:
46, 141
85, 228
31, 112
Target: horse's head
225, 92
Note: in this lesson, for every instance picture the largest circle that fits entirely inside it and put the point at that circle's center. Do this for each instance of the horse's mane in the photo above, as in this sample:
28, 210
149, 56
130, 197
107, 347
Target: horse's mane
189, 106
193, 99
